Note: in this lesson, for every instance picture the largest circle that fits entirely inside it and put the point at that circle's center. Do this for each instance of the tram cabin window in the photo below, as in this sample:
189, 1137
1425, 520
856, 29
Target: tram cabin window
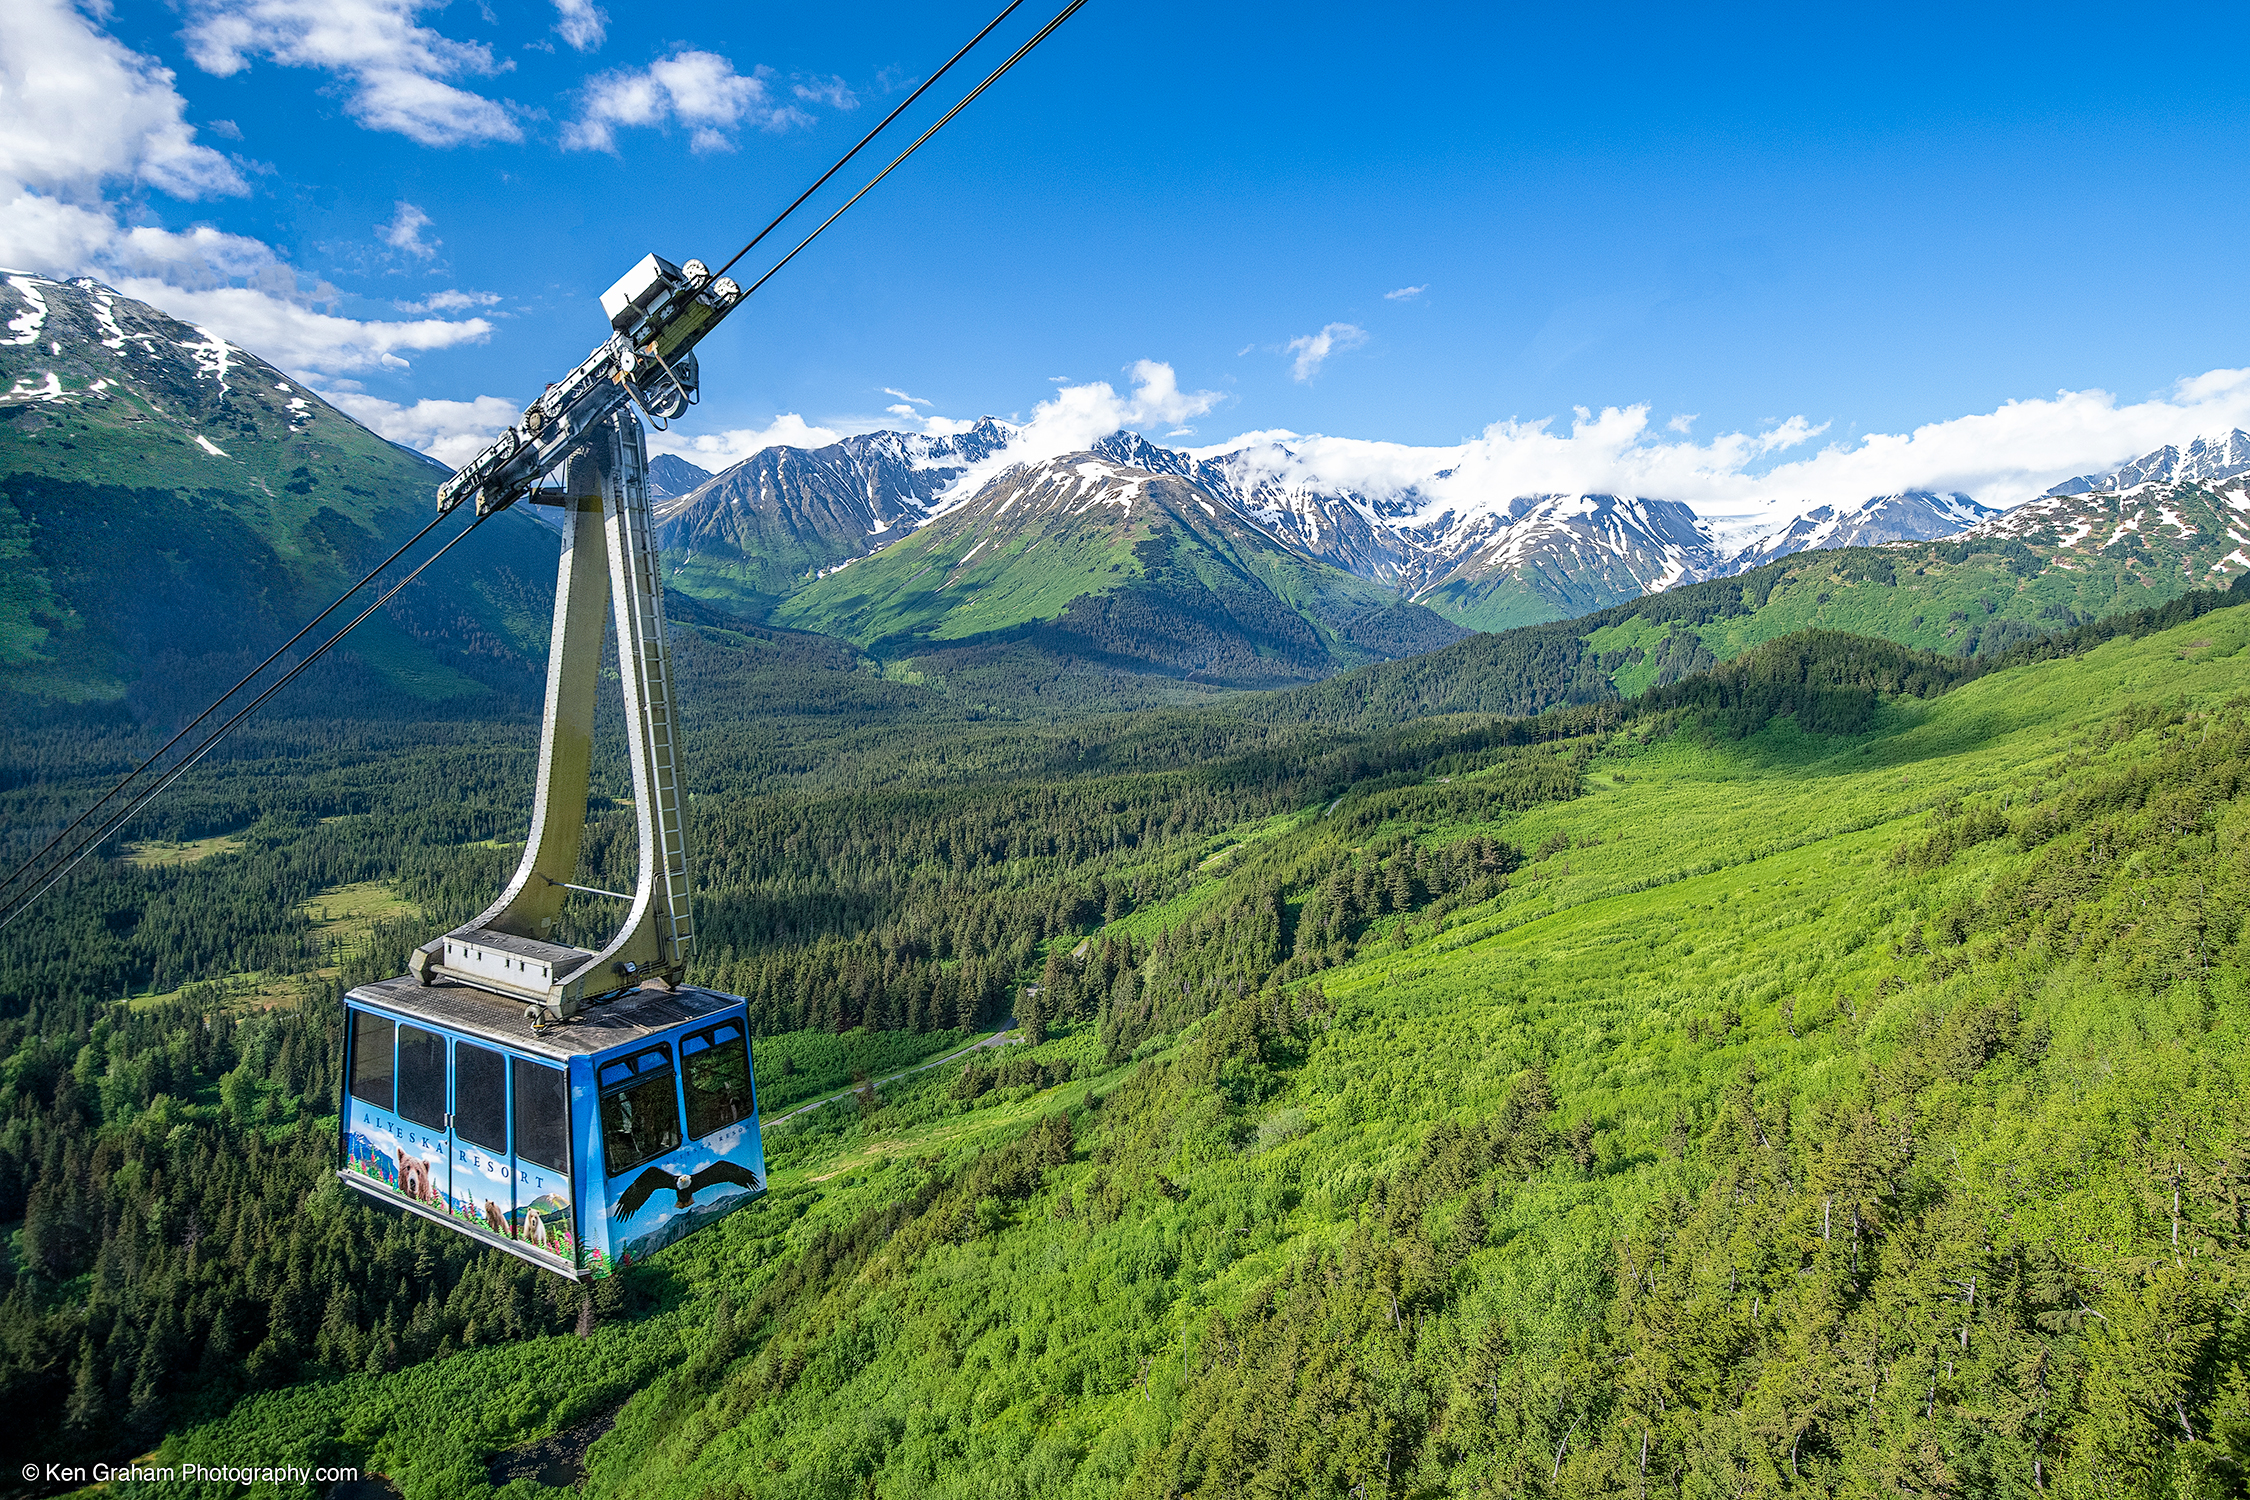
717, 1067
421, 1076
373, 1038
480, 1096
542, 1115
640, 1108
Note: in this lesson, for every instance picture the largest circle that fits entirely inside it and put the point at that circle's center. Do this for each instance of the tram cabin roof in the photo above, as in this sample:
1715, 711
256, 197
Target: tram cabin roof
629, 1018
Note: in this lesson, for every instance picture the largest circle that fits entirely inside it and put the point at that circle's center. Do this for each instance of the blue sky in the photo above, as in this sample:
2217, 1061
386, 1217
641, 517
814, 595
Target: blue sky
1871, 219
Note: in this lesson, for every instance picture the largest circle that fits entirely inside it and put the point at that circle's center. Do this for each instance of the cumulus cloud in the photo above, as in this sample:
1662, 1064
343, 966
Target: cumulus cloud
1406, 293
581, 23
78, 112
723, 450
1312, 349
300, 338
78, 109
452, 432
449, 301
1077, 416
397, 69
701, 90
2001, 458
404, 232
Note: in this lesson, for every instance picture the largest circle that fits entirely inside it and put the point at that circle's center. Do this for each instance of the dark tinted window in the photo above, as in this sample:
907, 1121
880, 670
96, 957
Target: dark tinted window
480, 1096
542, 1115
371, 1058
717, 1068
640, 1115
421, 1076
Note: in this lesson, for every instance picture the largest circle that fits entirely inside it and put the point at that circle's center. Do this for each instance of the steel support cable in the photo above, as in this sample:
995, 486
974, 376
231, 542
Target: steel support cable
863, 140
1044, 32
94, 840
216, 703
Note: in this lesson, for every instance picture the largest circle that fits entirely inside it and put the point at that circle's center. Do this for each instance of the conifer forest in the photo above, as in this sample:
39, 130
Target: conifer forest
1819, 1073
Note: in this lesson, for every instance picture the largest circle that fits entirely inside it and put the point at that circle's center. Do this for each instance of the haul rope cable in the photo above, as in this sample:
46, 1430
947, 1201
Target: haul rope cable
94, 841
79, 853
162, 750
863, 140
1044, 32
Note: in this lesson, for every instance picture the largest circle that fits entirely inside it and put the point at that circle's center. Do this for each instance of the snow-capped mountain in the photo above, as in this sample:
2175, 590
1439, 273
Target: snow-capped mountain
784, 515
1086, 558
2179, 514
2205, 461
671, 477
1517, 559
1549, 555
1914, 516
169, 500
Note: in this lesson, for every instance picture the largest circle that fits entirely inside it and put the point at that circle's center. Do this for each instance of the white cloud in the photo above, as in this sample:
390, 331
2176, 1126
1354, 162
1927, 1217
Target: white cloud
723, 450
397, 68
452, 432
903, 396
1077, 416
1406, 293
2001, 458
449, 301
581, 23
701, 90
78, 109
297, 337
829, 91
1312, 349
404, 232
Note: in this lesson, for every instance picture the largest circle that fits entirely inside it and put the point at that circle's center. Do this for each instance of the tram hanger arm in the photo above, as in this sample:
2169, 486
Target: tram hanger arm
658, 313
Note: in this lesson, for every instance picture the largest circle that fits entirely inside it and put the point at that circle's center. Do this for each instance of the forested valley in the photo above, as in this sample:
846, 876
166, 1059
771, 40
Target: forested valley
1819, 1073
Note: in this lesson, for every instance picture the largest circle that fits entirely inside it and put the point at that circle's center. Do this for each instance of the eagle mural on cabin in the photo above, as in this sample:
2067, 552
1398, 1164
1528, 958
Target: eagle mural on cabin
684, 1187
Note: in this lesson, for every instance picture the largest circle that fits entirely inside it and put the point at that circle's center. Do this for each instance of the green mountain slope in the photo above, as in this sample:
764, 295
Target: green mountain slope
1974, 597
1124, 570
1754, 1113
169, 502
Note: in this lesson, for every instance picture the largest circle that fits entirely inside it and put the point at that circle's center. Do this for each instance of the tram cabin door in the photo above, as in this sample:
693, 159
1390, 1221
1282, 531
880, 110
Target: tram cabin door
462, 1131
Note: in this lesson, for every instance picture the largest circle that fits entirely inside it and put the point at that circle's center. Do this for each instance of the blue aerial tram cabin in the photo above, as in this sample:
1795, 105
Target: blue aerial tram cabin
581, 1148
580, 1107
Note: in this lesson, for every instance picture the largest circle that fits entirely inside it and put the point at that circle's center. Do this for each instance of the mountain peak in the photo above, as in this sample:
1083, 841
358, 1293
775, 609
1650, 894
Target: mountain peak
1909, 516
2203, 461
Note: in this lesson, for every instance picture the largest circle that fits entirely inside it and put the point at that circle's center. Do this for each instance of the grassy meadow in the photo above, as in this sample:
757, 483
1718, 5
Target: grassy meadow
1857, 1114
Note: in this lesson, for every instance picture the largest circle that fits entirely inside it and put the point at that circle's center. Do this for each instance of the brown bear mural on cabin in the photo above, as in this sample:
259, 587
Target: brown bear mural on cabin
414, 1178
495, 1220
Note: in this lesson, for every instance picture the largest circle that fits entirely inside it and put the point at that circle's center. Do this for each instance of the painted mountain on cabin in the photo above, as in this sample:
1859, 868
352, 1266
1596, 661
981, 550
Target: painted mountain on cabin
170, 500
